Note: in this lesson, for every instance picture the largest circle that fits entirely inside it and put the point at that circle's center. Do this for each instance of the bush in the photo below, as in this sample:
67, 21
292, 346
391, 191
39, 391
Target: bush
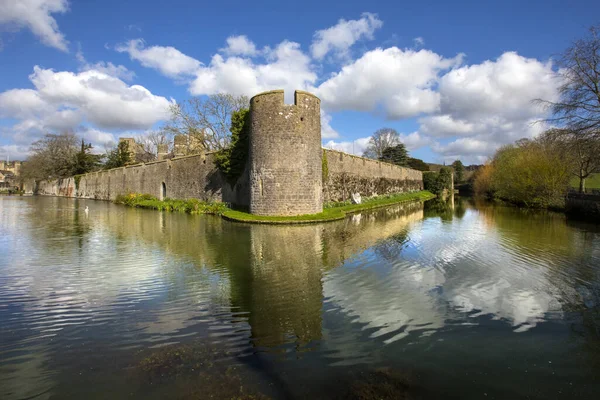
191, 206
530, 173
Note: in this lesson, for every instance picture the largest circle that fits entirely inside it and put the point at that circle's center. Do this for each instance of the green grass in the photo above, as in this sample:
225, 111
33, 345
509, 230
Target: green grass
191, 206
332, 211
593, 182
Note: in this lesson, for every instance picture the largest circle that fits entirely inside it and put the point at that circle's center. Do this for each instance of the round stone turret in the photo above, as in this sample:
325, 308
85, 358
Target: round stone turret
285, 154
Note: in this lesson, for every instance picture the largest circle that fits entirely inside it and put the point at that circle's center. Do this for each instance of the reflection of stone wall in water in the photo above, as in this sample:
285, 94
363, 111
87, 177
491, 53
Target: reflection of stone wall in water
286, 284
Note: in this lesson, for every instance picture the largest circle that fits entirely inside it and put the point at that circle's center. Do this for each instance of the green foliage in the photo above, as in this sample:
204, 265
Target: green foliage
445, 178
531, 174
418, 164
333, 211
395, 154
232, 160
191, 206
85, 161
459, 171
325, 166
119, 156
436, 182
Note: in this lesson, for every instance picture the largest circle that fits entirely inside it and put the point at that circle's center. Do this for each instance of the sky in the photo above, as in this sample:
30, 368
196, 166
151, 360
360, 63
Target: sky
455, 79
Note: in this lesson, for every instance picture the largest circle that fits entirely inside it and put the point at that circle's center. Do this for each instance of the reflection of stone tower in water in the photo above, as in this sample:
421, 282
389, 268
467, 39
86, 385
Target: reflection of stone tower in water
285, 154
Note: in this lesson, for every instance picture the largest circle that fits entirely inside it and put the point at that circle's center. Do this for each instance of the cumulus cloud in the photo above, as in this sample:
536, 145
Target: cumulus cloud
285, 67
35, 15
118, 71
399, 83
339, 38
415, 140
490, 104
167, 60
106, 101
240, 46
327, 132
356, 147
67, 100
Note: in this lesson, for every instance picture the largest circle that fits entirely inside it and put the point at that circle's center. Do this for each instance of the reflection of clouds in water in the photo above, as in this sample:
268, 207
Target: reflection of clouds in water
462, 264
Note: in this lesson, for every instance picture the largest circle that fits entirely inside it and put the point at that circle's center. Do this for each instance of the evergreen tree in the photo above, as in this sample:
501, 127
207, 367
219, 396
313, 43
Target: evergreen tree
418, 164
85, 161
396, 155
119, 156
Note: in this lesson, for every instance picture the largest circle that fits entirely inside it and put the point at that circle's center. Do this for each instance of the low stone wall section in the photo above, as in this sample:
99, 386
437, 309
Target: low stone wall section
187, 177
346, 174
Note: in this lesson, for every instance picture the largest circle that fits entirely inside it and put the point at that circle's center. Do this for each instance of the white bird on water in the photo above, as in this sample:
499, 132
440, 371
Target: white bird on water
87, 210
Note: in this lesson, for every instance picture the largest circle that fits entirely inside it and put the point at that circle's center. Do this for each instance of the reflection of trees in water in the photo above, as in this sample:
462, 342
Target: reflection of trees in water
442, 207
391, 248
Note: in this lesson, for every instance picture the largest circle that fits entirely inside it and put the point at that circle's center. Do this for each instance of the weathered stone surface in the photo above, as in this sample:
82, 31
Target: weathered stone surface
284, 174
349, 174
285, 154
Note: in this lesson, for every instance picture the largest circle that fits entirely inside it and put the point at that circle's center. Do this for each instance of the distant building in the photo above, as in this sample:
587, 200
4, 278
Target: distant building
13, 167
7, 179
135, 149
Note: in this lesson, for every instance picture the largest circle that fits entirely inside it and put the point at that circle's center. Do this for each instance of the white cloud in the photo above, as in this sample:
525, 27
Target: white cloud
490, 104
22, 104
414, 140
14, 152
36, 15
105, 101
339, 38
399, 83
67, 100
327, 132
356, 147
503, 87
445, 126
240, 45
108, 68
418, 41
286, 67
167, 60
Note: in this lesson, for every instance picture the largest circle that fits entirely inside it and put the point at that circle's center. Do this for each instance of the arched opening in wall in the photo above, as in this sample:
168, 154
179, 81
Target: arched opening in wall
163, 191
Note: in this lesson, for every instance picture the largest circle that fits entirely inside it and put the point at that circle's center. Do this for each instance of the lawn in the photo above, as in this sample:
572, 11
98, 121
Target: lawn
593, 182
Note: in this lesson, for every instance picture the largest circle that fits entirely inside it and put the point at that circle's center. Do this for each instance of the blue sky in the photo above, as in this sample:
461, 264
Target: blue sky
456, 79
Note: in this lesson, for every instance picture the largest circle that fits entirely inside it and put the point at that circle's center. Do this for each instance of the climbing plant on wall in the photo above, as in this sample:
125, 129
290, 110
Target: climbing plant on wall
232, 160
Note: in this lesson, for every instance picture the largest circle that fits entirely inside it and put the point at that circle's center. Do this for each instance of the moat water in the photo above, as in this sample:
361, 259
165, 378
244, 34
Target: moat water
436, 302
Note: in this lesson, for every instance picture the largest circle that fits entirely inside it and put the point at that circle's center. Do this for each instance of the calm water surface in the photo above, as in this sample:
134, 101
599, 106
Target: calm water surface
474, 301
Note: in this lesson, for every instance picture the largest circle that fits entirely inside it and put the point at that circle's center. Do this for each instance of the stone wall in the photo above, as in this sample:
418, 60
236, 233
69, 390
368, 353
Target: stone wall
285, 154
180, 178
346, 174
287, 173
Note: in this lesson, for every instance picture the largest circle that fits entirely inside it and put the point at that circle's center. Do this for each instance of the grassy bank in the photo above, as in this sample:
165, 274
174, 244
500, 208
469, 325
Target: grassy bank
192, 206
332, 211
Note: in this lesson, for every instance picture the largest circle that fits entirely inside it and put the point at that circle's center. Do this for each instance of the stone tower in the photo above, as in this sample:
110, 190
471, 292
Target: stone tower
285, 154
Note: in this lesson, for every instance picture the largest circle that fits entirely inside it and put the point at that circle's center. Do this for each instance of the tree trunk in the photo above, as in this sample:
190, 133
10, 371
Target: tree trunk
581, 185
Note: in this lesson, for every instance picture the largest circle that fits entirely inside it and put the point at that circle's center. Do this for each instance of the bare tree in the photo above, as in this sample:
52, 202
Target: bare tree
53, 156
381, 140
205, 121
147, 145
578, 107
582, 151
